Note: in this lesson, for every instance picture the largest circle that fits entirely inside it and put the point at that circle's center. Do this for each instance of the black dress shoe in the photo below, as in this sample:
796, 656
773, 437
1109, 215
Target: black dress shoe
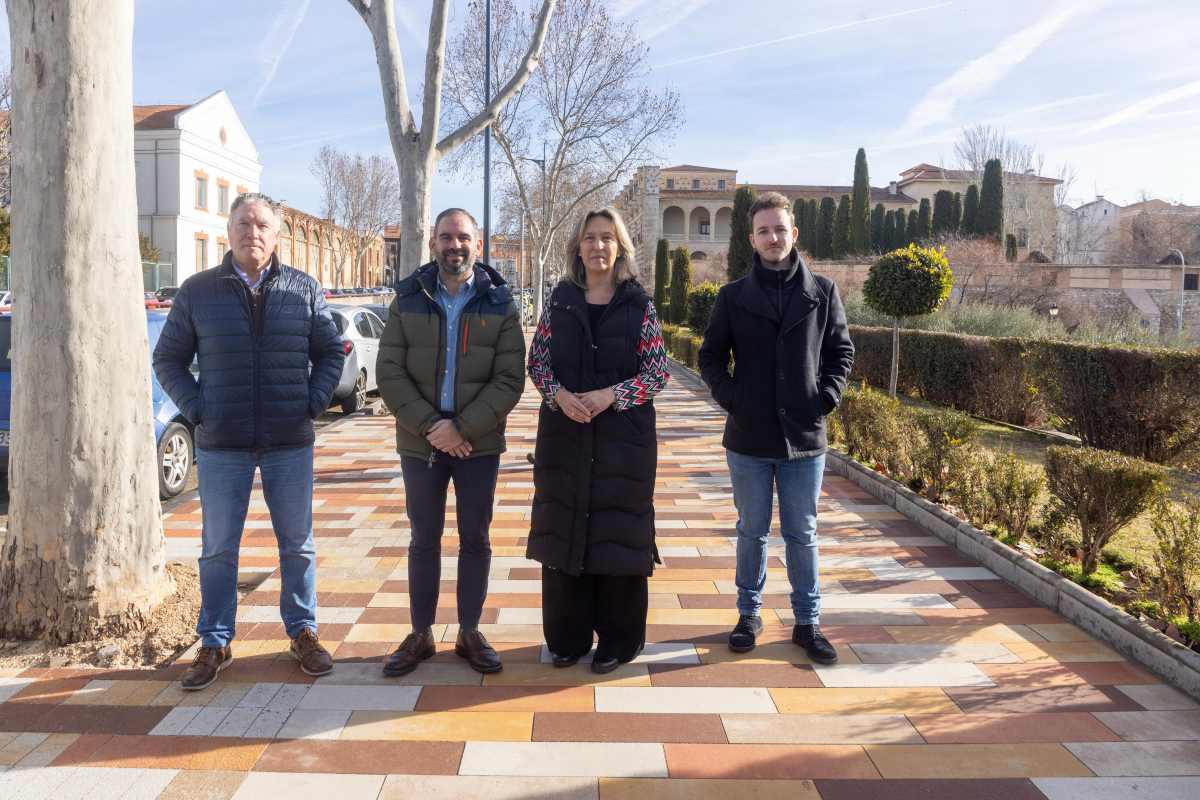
603, 666
472, 646
744, 634
415, 648
565, 661
814, 643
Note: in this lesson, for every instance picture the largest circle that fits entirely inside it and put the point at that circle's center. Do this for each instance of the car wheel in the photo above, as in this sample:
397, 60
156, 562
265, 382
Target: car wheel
357, 398
175, 457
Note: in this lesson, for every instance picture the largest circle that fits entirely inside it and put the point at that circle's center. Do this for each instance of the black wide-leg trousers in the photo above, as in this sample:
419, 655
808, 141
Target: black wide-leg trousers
613, 607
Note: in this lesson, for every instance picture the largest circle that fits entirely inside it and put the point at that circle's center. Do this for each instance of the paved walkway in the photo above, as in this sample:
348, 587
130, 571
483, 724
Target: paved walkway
951, 684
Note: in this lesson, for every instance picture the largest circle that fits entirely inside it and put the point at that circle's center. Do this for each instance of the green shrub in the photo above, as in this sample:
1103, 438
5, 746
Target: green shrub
1139, 402
1013, 488
681, 281
942, 449
682, 344
1102, 491
1145, 608
1177, 559
968, 487
874, 430
1190, 631
700, 304
1058, 534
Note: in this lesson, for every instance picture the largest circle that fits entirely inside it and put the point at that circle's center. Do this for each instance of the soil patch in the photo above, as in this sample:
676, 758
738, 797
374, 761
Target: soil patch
170, 631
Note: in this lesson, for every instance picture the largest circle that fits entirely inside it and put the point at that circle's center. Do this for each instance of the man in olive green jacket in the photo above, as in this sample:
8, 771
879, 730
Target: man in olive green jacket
450, 368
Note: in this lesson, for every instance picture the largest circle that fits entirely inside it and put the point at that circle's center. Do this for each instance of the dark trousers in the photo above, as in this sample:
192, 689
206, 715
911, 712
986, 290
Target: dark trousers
425, 485
613, 606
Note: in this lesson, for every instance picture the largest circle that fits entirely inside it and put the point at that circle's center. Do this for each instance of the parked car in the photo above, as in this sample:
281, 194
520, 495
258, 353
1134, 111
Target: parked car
5, 301
360, 330
378, 309
172, 431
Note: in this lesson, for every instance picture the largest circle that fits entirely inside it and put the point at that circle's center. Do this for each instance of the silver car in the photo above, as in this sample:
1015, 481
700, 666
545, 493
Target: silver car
360, 330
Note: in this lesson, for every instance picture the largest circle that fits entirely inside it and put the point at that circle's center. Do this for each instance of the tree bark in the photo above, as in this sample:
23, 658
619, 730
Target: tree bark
895, 356
84, 551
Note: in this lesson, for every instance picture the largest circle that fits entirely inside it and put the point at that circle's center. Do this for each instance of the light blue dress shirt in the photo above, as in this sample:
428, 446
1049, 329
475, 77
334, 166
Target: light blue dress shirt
453, 306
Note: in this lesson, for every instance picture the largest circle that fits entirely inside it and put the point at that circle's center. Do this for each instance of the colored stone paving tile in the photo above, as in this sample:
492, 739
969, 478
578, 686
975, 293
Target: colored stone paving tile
361, 757
819, 729
1149, 726
976, 761
768, 761
1118, 788
684, 700
735, 674
683, 789
945, 789
1150, 759
492, 787
309, 786
863, 701
1000, 728
203, 785
628, 727
515, 726
1159, 697
565, 759
506, 698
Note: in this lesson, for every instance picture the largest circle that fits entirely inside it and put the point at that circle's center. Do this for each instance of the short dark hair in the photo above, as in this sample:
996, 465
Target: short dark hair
770, 200
450, 212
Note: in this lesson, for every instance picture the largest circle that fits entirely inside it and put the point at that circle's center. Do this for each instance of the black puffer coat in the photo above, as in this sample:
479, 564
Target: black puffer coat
593, 509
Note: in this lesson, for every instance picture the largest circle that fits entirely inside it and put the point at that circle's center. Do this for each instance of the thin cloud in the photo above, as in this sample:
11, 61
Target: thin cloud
658, 16
978, 76
806, 34
1142, 107
276, 45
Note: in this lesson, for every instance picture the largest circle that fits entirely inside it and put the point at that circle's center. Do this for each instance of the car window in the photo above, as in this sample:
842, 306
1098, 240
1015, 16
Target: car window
376, 324
5, 344
340, 321
364, 325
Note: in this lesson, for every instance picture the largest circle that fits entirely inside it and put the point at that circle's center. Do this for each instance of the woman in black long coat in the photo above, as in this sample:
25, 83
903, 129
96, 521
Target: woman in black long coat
598, 359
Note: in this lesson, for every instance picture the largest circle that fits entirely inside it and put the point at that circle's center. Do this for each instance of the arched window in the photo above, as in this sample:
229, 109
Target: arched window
673, 221
285, 243
724, 218
700, 224
301, 250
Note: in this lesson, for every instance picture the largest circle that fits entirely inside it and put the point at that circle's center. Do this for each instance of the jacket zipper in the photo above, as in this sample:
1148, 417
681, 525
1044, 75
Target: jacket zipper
439, 365
255, 335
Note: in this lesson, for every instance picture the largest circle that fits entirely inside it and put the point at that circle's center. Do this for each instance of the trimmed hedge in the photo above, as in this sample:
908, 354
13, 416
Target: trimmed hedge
682, 344
1138, 401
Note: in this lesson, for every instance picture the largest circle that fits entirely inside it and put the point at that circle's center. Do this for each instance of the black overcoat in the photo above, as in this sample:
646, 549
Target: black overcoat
593, 509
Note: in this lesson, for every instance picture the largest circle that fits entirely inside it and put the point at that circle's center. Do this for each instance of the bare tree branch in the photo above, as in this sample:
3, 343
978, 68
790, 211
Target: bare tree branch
487, 116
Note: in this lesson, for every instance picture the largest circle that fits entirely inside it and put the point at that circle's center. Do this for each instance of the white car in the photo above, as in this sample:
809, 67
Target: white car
360, 330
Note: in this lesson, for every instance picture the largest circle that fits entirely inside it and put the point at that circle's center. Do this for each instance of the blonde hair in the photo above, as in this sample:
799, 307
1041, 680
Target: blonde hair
622, 269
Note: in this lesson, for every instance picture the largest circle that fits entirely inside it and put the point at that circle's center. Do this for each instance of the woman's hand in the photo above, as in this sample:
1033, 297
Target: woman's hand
572, 405
598, 400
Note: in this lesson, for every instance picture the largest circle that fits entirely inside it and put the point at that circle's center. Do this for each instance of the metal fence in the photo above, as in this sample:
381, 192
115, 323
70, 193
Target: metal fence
154, 276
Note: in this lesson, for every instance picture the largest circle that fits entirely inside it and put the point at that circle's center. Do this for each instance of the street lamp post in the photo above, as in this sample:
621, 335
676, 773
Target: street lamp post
487, 134
538, 270
1182, 286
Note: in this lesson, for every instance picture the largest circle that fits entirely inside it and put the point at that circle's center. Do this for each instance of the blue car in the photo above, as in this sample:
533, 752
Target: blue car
172, 431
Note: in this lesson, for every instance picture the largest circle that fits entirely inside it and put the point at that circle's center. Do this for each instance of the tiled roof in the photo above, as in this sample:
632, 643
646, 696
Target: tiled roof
151, 118
928, 172
809, 192
693, 168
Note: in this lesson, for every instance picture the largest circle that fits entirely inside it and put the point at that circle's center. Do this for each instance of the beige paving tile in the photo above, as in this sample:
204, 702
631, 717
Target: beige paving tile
1061, 633
963, 634
564, 759
492, 787
455, 726
863, 701
381, 632
685, 789
976, 761
819, 729
547, 675
768, 653
1065, 652
692, 616
684, 700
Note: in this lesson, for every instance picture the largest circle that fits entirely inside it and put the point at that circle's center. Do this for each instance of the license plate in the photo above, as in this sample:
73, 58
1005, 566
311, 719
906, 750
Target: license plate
3, 438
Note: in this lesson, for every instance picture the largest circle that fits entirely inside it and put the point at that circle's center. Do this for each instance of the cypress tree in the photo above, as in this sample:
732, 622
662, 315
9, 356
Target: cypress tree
913, 232
740, 255
1010, 248
662, 274
990, 221
825, 228
681, 282
842, 244
956, 213
889, 233
970, 211
943, 212
800, 216
877, 217
924, 222
814, 222
860, 207
900, 232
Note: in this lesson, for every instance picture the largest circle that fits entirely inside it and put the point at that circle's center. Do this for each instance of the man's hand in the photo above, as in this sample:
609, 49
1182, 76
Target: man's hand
444, 436
598, 400
573, 406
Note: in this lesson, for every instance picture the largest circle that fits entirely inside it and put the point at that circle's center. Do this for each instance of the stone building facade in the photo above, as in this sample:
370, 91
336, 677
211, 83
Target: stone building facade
314, 246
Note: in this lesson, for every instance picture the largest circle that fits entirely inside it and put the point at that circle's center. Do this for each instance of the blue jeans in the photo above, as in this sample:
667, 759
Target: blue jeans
226, 478
799, 482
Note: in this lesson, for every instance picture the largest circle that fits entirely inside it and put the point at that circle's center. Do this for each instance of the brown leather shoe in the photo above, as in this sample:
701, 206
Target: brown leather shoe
314, 659
472, 646
415, 648
208, 662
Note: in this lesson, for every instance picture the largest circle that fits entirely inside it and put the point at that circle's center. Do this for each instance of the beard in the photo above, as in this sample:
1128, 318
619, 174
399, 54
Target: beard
454, 269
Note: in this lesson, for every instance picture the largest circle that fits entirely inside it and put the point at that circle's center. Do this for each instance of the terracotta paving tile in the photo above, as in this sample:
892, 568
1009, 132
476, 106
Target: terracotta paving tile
863, 701
682, 789
1000, 728
169, 752
361, 757
627, 727
49, 690
735, 675
80, 719
958, 789
506, 698
767, 761
976, 761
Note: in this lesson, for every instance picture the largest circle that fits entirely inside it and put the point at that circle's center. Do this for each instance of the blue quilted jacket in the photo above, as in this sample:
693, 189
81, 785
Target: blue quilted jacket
256, 391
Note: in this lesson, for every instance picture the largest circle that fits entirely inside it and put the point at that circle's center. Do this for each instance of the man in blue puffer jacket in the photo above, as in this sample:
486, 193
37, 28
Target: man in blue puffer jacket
254, 325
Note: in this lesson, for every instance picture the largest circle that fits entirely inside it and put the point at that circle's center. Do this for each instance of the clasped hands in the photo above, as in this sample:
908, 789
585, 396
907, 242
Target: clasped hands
444, 435
586, 406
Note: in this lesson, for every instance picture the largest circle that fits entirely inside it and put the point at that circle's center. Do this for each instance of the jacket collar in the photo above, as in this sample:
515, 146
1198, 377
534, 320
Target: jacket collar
805, 298
487, 281
227, 270
570, 293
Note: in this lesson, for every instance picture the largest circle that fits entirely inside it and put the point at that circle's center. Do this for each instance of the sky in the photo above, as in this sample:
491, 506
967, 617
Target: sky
783, 91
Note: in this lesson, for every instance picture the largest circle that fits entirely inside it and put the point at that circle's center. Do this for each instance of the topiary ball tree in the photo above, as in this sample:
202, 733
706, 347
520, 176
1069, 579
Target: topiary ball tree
909, 282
